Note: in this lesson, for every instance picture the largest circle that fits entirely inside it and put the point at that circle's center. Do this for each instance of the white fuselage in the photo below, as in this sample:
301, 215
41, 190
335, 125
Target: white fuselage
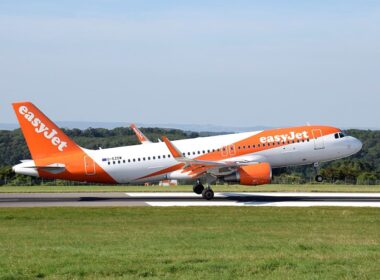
144, 163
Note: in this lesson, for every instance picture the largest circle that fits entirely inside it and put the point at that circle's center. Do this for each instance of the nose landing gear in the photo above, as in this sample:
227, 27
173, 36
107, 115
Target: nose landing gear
318, 178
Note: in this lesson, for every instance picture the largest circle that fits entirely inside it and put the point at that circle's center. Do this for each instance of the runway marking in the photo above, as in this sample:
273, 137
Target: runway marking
304, 194
241, 196
263, 204
263, 194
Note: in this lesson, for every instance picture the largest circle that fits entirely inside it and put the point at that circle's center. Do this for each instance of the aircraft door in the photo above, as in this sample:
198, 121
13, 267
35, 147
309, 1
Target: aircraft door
318, 140
89, 166
228, 151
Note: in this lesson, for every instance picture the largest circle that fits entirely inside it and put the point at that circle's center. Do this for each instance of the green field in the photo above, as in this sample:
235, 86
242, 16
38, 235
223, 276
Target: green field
190, 243
218, 188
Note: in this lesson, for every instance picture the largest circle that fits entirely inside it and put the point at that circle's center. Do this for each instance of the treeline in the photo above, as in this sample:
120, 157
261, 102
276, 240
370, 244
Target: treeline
363, 167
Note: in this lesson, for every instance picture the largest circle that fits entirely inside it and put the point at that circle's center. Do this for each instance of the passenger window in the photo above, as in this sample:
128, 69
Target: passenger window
163, 156
123, 160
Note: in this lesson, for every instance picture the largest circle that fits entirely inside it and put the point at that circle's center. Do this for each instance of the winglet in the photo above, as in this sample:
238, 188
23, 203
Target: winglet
142, 138
173, 150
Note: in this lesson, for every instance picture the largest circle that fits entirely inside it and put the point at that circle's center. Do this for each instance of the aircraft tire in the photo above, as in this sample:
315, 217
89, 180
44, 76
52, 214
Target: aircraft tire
198, 188
319, 178
208, 194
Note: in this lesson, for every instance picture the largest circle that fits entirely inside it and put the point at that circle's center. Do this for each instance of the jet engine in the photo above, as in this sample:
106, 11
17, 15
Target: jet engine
251, 175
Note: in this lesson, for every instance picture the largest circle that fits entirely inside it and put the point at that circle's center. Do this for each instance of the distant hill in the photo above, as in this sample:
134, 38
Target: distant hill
112, 125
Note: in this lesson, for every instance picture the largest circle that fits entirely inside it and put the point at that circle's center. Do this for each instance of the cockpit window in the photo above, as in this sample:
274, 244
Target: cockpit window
336, 135
341, 135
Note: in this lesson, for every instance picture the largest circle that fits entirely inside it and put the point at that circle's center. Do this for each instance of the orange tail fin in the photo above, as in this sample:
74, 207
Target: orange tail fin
43, 137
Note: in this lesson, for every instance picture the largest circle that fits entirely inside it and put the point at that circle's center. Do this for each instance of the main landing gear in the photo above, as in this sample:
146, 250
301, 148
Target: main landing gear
207, 193
198, 187
318, 178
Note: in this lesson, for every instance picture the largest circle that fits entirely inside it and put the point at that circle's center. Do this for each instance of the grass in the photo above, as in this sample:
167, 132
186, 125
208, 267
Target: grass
218, 188
190, 243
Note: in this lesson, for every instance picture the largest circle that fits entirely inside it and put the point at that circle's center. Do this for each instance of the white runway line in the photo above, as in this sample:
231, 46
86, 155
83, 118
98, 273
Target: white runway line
233, 202
303, 194
192, 203
239, 194
262, 204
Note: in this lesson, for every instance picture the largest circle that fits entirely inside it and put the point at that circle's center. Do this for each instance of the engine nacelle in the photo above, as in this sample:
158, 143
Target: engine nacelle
251, 175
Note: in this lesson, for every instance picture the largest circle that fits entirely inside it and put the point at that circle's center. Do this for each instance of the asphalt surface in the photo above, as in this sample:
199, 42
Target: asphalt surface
117, 199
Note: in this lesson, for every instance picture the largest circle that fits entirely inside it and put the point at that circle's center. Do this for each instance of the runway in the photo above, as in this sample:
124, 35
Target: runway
119, 199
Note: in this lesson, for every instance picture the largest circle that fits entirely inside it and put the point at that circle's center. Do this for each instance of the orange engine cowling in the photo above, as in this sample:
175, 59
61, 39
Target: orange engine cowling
252, 175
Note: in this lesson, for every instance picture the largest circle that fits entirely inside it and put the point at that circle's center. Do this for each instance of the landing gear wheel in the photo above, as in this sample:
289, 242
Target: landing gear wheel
319, 178
208, 194
198, 188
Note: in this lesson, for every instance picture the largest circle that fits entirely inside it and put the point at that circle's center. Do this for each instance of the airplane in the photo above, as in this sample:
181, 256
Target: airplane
244, 158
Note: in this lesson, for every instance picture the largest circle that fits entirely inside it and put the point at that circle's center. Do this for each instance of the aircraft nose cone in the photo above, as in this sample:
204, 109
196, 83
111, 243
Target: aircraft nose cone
357, 145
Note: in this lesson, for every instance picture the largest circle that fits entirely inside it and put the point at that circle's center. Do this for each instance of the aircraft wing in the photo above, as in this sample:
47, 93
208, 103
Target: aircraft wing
197, 167
142, 138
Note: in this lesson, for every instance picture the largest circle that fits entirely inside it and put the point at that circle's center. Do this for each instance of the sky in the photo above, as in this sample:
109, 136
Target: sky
237, 63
